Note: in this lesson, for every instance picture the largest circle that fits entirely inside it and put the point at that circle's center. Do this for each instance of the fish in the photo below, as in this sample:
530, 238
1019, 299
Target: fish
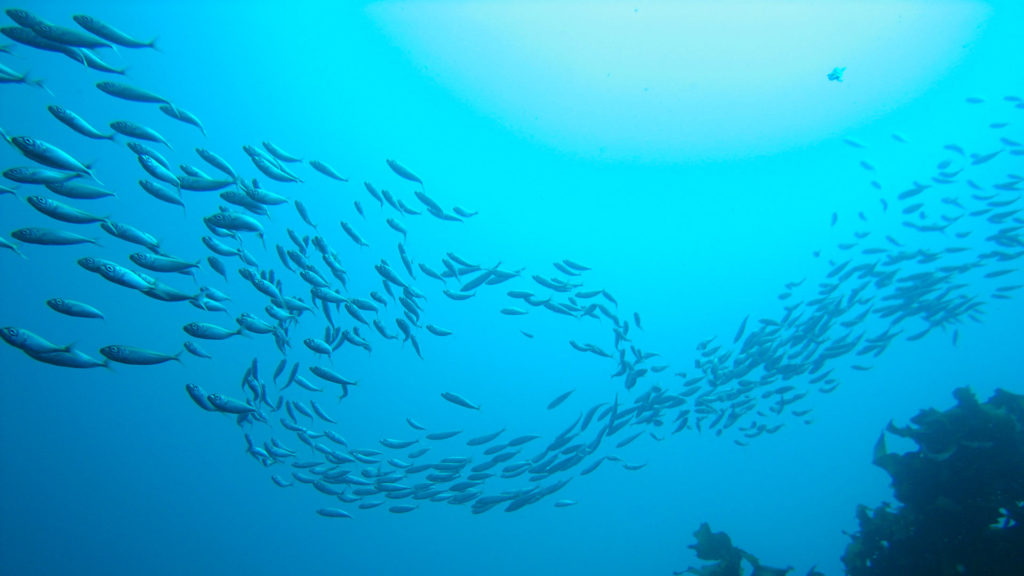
133, 130
50, 156
200, 397
217, 162
131, 93
230, 405
327, 170
76, 123
137, 356
69, 36
49, 237
459, 400
63, 212
34, 175
403, 172
279, 153
207, 331
28, 37
195, 349
161, 193
559, 399
111, 34
73, 308
131, 234
333, 513
29, 342
157, 170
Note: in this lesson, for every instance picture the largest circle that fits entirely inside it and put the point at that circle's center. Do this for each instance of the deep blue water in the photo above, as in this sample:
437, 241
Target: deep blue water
692, 157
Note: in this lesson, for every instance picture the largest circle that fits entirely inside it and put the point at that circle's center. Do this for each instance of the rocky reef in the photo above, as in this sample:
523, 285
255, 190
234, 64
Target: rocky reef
961, 495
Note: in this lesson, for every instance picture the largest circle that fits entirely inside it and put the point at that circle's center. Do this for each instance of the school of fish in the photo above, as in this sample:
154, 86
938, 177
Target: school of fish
933, 277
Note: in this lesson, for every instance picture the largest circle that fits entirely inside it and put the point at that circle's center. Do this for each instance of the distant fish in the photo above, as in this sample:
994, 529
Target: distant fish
327, 170
459, 400
559, 399
49, 155
73, 308
403, 172
69, 36
183, 116
836, 75
133, 130
127, 92
279, 153
49, 237
111, 34
76, 123
137, 356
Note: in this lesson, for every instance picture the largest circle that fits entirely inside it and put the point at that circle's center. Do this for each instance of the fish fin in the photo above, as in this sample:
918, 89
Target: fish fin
152, 44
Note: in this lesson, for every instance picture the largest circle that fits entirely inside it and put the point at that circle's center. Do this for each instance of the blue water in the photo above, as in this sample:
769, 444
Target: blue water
692, 157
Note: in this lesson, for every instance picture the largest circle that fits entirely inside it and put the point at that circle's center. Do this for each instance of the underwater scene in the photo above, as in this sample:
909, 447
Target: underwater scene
545, 288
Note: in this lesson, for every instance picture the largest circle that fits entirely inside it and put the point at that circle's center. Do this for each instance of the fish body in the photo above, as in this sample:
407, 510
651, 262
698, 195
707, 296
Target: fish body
29, 342
182, 116
327, 170
69, 36
109, 33
133, 130
49, 237
217, 162
158, 171
63, 212
131, 234
73, 308
128, 92
230, 405
271, 171
209, 331
159, 263
459, 400
196, 350
403, 172
161, 193
34, 175
279, 153
49, 155
76, 123
137, 356
200, 397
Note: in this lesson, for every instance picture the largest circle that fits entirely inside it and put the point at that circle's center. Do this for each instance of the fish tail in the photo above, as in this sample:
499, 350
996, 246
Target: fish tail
152, 44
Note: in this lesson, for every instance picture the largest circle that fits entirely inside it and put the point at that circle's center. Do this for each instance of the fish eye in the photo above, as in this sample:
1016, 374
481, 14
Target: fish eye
11, 331
108, 267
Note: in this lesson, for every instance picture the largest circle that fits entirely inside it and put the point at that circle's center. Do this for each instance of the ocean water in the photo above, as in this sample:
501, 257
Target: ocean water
695, 157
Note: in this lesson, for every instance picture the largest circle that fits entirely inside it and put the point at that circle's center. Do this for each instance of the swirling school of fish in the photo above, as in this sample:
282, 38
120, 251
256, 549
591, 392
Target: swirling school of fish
748, 385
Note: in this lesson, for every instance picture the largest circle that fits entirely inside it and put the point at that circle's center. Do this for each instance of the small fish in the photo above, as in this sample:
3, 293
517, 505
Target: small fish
209, 331
49, 155
182, 116
76, 123
559, 399
327, 170
137, 356
133, 130
73, 308
403, 172
63, 212
279, 153
34, 175
127, 92
194, 349
459, 400
49, 237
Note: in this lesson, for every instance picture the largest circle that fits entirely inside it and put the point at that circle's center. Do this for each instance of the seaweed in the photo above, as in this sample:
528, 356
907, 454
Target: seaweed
961, 495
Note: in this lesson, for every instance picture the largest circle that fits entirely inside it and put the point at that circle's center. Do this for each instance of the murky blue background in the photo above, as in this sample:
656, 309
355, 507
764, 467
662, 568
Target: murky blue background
692, 156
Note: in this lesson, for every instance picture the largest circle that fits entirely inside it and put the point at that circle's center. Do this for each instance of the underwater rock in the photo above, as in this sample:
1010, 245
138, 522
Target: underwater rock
728, 559
962, 494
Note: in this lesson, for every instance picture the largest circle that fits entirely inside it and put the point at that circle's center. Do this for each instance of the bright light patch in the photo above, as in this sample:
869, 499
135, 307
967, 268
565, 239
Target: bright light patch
665, 80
